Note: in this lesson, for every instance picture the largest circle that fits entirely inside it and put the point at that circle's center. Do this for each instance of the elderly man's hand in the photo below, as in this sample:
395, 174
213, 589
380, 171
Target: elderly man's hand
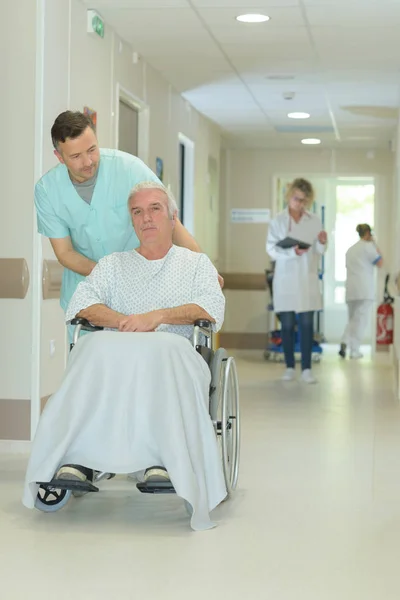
144, 322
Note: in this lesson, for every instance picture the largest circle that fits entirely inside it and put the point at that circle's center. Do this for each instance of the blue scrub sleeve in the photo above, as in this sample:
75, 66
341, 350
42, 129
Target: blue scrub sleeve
48, 223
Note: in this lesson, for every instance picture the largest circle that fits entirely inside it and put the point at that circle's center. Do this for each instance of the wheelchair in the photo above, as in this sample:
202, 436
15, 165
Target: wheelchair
223, 410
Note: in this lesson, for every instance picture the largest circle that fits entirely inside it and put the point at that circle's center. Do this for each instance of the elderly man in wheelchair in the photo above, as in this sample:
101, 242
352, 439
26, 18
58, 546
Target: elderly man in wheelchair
137, 396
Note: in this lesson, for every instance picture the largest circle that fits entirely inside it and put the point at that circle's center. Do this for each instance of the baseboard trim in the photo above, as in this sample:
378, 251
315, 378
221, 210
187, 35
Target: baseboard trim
243, 341
14, 447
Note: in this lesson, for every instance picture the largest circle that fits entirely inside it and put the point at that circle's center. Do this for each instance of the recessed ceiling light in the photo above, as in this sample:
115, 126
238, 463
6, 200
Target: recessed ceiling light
299, 115
311, 141
252, 18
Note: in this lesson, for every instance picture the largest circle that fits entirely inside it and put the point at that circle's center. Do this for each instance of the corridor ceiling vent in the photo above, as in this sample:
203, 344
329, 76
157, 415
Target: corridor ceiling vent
377, 112
280, 77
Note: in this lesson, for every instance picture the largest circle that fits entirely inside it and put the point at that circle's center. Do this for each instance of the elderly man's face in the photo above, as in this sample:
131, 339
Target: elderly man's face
149, 210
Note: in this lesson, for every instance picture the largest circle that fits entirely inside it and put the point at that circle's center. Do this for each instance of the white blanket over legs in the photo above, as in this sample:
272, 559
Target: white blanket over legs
130, 401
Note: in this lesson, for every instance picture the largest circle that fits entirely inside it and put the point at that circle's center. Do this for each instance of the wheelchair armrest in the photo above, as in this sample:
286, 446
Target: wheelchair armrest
84, 323
204, 323
204, 327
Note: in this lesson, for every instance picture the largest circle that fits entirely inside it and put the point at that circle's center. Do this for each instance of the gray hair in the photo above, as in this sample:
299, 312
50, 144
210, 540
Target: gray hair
153, 185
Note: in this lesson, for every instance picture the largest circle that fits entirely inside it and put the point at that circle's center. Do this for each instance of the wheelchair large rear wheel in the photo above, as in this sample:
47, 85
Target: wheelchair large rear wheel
217, 384
229, 424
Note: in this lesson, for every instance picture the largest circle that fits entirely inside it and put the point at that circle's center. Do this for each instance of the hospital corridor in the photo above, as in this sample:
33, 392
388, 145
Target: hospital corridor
200, 299
316, 513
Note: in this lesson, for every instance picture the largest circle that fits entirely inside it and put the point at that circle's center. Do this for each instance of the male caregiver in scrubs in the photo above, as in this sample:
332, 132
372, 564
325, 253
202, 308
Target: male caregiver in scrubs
82, 203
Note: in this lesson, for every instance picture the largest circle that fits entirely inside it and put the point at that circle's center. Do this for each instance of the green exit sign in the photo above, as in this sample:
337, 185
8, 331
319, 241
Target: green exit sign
95, 23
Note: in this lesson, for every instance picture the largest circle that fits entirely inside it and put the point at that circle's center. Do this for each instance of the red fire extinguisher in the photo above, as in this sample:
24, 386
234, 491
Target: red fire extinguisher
384, 324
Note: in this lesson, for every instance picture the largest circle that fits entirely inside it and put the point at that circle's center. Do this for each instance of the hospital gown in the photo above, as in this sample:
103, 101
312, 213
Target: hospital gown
130, 401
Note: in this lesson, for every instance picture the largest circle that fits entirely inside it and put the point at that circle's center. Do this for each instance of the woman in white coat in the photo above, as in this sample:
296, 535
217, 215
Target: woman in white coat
361, 260
296, 284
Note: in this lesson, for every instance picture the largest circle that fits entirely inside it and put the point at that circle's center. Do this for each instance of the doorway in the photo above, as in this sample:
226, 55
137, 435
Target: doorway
350, 201
128, 128
131, 124
181, 182
186, 181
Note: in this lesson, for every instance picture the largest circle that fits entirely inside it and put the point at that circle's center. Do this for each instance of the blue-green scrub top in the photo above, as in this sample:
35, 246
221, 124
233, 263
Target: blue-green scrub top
96, 229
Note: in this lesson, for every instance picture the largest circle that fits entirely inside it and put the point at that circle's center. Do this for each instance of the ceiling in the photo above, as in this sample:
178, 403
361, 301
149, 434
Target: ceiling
341, 58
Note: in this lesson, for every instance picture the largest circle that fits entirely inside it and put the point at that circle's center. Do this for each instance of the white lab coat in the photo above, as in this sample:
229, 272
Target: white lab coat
361, 259
296, 285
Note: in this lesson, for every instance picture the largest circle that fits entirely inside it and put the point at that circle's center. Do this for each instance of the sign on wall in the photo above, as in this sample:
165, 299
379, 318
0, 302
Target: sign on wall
250, 215
160, 168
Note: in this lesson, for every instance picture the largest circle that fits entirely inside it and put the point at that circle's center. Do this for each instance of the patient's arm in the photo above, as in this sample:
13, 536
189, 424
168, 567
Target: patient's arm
180, 315
102, 316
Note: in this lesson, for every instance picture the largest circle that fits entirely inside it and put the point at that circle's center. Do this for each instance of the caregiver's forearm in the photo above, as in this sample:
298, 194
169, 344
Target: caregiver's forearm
101, 315
181, 237
182, 315
70, 258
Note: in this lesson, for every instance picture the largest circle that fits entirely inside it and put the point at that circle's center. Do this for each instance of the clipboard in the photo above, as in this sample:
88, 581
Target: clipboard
290, 242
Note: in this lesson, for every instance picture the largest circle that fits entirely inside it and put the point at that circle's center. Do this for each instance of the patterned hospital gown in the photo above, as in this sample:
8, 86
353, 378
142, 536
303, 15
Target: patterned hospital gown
130, 284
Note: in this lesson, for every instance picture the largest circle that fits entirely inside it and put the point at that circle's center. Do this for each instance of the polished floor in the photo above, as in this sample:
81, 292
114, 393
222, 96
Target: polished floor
316, 516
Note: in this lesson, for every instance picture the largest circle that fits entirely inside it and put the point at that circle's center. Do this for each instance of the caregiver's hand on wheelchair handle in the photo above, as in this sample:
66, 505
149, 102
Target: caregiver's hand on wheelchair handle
142, 323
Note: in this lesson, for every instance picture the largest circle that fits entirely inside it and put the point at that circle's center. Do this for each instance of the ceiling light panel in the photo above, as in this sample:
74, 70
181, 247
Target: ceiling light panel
253, 18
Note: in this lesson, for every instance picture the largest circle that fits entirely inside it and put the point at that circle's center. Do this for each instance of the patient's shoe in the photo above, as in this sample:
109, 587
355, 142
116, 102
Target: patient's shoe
156, 474
75, 473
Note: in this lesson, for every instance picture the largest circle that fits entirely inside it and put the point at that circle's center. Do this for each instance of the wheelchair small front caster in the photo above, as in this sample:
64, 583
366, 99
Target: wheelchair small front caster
50, 499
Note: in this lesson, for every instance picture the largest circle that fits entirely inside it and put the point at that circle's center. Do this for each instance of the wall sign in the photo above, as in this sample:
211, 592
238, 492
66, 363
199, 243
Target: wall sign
160, 168
250, 215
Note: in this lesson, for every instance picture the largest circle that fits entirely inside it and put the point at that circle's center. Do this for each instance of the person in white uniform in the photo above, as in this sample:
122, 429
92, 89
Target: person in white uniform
136, 395
296, 285
361, 260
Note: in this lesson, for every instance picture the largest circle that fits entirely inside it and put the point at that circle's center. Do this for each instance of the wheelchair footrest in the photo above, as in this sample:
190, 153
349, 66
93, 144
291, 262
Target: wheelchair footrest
65, 484
155, 487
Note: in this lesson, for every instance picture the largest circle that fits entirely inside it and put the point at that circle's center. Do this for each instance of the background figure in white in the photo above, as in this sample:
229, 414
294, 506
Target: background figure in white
136, 396
361, 259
